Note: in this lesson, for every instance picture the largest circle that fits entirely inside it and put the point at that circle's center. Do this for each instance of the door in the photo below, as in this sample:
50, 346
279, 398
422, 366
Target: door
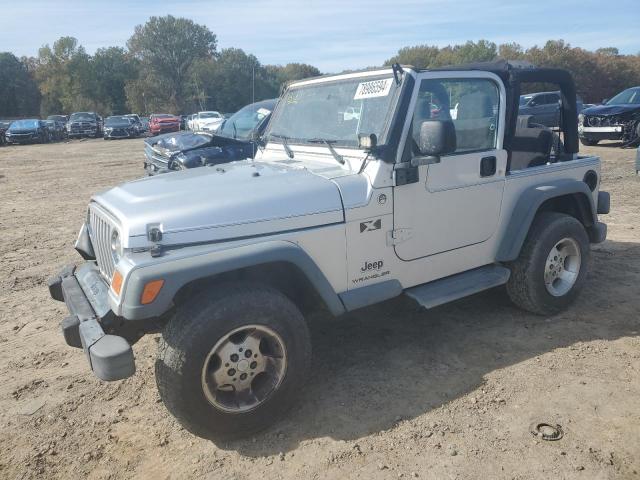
454, 203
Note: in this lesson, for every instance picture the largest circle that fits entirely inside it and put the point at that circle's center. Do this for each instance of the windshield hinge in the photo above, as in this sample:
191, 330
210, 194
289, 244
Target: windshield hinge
399, 235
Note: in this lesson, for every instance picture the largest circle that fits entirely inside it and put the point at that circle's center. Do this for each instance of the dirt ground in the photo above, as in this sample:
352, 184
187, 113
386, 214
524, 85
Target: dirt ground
395, 391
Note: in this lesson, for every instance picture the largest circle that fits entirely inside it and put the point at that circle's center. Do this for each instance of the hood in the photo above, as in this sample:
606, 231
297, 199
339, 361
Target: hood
610, 109
170, 143
237, 200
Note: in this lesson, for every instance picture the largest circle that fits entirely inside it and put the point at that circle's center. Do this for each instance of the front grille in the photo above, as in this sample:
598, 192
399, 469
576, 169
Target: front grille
119, 132
100, 228
82, 126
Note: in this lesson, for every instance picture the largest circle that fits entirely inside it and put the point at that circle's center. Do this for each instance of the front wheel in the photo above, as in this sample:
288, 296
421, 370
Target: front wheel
232, 360
552, 266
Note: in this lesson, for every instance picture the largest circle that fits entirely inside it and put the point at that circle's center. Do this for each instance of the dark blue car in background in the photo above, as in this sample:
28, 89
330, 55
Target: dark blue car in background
236, 139
27, 131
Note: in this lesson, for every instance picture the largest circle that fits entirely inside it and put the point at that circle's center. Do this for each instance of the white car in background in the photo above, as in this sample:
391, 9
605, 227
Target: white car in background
207, 121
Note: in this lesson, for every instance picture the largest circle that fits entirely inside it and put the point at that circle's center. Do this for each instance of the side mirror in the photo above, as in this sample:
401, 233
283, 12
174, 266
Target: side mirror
437, 137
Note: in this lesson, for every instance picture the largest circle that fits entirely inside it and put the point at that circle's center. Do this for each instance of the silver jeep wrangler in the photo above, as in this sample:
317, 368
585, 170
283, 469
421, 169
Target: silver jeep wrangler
367, 186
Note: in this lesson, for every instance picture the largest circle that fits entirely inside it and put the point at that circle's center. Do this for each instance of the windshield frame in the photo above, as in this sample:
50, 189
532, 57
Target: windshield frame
362, 76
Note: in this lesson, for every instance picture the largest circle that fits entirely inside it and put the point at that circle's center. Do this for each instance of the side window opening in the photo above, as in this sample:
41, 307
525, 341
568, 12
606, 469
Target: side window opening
472, 104
538, 136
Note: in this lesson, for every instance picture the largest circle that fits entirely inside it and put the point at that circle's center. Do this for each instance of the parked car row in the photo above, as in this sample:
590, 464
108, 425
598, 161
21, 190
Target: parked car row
77, 125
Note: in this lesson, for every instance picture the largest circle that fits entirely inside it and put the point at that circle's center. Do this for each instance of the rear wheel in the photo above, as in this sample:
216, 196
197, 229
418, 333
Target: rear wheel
231, 362
552, 266
589, 142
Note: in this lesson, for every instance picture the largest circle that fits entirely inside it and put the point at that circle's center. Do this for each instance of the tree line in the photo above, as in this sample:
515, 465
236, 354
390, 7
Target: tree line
174, 65
597, 74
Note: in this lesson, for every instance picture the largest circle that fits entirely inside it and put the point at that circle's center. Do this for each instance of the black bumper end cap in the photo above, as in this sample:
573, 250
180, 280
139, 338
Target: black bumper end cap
71, 331
55, 283
604, 203
55, 288
112, 358
598, 233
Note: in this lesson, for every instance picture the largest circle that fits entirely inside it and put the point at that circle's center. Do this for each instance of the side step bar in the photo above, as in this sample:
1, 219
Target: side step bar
457, 286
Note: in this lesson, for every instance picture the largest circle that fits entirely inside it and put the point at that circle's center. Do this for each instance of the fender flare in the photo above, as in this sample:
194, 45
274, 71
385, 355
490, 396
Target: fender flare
527, 207
178, 272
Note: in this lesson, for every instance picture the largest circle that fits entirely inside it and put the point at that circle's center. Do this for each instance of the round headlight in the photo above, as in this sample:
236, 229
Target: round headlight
116, 245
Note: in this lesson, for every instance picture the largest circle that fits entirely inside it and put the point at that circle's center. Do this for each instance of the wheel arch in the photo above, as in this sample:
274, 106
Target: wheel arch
571, 197
281, 264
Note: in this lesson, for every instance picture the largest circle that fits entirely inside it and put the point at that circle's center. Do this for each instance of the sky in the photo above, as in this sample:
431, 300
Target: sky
333, 35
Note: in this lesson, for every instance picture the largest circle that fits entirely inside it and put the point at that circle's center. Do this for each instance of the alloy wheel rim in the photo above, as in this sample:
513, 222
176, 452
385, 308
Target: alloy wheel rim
562, 267
244, 368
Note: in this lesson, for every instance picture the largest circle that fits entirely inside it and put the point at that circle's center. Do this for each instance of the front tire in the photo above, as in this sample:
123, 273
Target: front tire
203, 373
552, 266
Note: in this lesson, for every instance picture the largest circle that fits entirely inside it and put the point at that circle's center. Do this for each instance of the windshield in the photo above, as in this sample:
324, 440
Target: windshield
337, 111
24, 124
209, 115
244, 121
59, 118
117, 121
631, 96
85, 117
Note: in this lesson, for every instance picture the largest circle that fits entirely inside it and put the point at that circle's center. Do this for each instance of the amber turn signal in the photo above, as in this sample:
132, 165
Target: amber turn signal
116, 282
150, 292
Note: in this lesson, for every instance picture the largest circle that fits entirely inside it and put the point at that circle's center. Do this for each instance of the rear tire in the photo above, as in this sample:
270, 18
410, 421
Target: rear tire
552, 266
200, 365
589, 142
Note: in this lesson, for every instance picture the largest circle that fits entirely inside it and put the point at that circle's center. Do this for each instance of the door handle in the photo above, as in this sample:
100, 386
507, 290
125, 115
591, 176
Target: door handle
488, 166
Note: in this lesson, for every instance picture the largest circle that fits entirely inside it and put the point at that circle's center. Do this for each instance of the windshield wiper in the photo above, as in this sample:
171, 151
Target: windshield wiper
329, 144
285, 143
235, 130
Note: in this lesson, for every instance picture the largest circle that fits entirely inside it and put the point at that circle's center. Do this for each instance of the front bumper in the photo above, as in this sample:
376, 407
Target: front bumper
165, 129
601, 133
86, 296
152, 169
